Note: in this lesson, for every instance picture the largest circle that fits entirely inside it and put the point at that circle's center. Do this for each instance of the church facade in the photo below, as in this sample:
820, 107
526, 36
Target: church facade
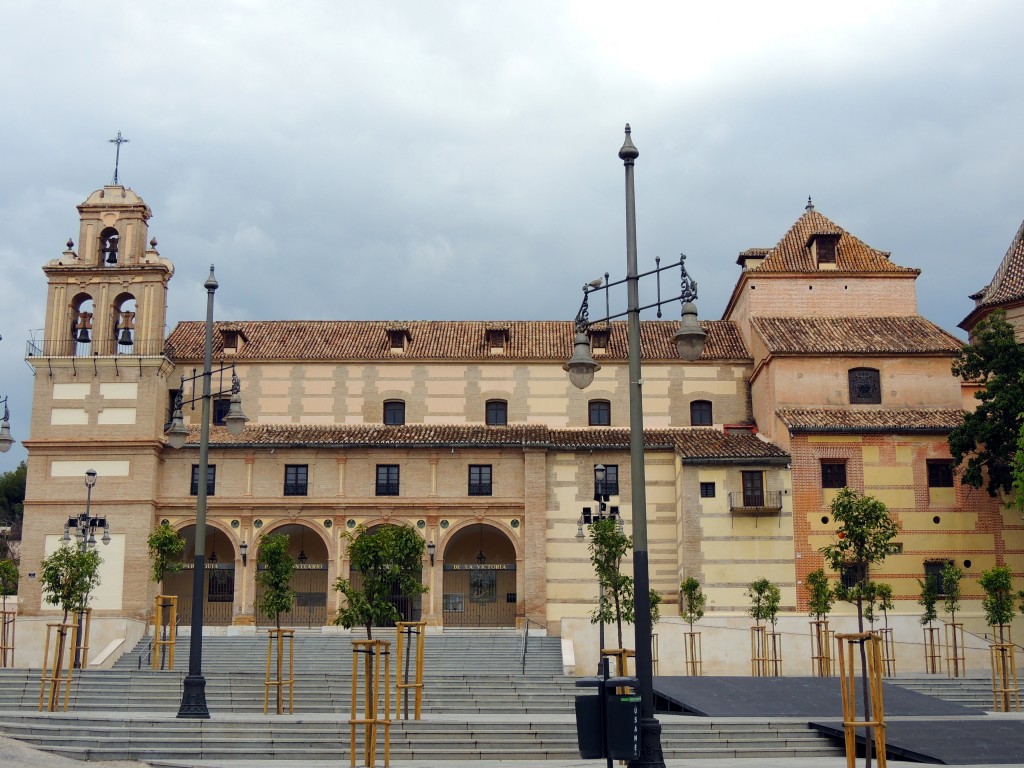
821, 374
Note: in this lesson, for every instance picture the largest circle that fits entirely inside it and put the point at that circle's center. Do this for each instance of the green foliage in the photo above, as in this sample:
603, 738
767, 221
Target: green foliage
876, 597
951, 576
928, 599
8, 579
821, 597
765, 599
986, 443
694, 601
165, 548
865, 536
12, 495
998, 600
390, 560
274, 574
68, 576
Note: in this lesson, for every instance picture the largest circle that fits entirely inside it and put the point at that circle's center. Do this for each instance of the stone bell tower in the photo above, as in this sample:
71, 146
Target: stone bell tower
99, 403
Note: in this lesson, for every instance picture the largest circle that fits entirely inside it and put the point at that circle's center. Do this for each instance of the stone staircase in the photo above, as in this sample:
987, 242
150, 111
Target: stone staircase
478, 704
974, 692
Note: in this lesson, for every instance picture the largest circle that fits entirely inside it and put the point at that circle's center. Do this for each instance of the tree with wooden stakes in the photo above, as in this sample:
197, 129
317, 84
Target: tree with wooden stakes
68, 577
765, 599
820, 599
929, 599
864, 537
951, 594
8, 587
998, 607
693, 603
878, 599
275, 567
165, 547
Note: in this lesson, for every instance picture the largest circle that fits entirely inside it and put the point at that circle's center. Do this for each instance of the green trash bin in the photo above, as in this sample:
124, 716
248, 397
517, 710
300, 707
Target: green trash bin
619, 718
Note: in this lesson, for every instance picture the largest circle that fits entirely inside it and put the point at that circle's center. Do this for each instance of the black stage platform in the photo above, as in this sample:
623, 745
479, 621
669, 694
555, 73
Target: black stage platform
945, 733
981, 741
805, 697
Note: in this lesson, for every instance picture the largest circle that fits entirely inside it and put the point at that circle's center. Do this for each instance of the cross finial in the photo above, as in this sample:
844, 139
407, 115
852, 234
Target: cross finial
117, 157
810, 204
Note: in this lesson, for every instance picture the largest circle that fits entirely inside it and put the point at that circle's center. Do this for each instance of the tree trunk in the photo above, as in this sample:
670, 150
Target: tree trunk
865, 691
280, 669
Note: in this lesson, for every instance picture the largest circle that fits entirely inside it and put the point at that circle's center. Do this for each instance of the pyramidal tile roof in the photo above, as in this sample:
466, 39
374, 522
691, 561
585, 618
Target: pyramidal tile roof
1008, 282
449, 340
904, 335
692, 443
793, 252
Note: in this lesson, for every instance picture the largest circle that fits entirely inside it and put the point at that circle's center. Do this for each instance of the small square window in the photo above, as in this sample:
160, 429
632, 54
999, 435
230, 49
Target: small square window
296, 479
220, 410
707, 490
700, 413
833, 474
211, 480
611, 481
479, 479
600, 413
940, 473
394, 412
865, 386
387, 479
497, 413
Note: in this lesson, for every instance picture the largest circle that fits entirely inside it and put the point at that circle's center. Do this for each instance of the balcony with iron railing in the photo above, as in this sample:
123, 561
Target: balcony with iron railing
756, 502
112, 348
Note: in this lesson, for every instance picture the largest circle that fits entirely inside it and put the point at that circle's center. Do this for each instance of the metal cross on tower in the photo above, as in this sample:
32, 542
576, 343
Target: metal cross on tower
117, 157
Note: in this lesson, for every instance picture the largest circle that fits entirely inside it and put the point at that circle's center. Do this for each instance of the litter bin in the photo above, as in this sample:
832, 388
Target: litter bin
610, 718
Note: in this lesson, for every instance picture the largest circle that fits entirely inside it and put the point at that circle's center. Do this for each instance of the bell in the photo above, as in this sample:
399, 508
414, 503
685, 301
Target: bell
112, 257
125, 340
83, 336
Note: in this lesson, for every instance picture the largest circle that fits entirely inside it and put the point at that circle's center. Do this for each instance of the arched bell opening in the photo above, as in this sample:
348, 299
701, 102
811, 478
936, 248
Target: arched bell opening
309, 579
479, 578
81, 315
109, 242
123, 323
218, 582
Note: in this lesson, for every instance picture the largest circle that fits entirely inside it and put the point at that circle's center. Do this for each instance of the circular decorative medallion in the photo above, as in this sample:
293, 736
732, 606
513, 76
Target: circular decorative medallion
257, 523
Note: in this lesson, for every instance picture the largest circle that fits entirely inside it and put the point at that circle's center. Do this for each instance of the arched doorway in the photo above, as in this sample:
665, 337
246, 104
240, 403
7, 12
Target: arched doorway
479, 578
409, 608
309, 579
219, 584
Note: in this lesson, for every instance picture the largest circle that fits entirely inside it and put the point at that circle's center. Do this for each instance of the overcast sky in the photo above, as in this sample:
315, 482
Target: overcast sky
458, 160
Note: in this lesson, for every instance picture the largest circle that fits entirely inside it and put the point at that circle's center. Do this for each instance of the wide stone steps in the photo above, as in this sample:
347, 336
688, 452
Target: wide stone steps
974, 692
289, 738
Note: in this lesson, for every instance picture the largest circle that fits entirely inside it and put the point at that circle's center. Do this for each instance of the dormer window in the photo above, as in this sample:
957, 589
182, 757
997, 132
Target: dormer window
497, 340
109, 240
599, 340
398, 337
823, 249
233, 340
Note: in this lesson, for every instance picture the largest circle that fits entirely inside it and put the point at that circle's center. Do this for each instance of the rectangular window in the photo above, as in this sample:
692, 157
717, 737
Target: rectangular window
833, 474
497, 413
933, 570
600, 413
611, 481
211, 479
220, 410
387, 479
707, 490
865, 386
296, 479
753, 489
854, 574
940, 473
700, 413
394, 413
479, 479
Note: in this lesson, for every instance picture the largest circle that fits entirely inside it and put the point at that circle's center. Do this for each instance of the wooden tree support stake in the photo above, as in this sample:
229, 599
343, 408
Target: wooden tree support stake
376, 655
822, 663
932, 651
58, 669
874, 721
888, 651
1005, 686
280, 641
404, 631
165, 630
692, 654
7, 638
956, 661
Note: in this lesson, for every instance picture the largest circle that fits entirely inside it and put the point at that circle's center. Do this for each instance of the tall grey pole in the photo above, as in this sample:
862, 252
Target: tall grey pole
193, 697
650, 729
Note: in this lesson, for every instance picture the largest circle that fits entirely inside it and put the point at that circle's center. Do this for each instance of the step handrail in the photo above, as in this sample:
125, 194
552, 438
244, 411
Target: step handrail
526, 639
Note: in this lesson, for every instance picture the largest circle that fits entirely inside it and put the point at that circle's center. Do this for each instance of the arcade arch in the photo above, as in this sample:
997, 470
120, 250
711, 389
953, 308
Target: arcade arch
479, 578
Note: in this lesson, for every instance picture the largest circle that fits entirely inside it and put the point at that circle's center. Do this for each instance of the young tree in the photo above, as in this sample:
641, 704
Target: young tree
987, 440
390, 560
694, 601
8, 580
765, 599
821, 596
608, 546
865, 536
165, 547
883, 592
68, 576
274, 574
12, 495
929, 598
951, 576
998, 600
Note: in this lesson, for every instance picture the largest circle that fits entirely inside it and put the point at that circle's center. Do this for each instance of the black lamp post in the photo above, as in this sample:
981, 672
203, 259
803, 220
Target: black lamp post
6, 441
84, 526
581, 368
193, 696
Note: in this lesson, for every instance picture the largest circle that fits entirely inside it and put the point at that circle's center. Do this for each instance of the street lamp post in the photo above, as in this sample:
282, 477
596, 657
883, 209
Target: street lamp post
193, 697
6, 441
84, 526
581, 368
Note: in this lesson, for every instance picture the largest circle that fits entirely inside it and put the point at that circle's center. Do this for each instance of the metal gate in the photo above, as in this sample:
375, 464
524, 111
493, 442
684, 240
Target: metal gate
219, 588
310, 609
409, 608
479, 595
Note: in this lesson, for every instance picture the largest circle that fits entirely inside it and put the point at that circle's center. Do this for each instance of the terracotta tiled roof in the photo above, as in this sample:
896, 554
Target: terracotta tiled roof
865, 420
793, 253
853, 335
359, 340
691, 443
1008, 282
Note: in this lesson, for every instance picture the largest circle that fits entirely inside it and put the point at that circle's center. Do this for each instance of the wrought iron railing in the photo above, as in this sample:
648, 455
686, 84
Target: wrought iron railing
764, 501
98, 348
